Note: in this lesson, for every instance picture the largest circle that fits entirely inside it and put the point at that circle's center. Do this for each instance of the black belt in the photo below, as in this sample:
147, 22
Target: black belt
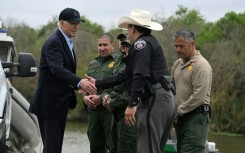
157, 86
164, 82
204, 109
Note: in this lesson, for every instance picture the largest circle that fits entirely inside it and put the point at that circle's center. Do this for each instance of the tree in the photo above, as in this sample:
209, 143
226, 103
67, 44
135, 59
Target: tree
221, 43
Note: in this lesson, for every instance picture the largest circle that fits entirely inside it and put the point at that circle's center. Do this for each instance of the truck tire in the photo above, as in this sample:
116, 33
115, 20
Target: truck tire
3, 148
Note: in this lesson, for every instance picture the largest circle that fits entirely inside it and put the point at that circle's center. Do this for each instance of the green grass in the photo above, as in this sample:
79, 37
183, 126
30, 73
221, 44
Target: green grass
227, 134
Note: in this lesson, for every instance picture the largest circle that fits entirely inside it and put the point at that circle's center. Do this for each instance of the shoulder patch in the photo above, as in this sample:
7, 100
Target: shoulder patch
139, 44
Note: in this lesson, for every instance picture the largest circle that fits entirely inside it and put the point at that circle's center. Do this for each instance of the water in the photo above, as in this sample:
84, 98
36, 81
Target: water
228, 144
76, 140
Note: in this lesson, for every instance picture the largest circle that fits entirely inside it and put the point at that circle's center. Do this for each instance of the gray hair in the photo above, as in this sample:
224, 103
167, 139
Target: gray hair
187, 34
58, 24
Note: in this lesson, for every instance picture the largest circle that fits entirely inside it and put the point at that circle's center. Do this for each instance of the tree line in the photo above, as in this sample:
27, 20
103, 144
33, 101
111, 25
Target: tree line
220, 42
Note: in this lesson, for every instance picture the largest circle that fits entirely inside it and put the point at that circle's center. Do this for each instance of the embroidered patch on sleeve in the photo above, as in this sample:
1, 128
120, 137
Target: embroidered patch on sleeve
139, 44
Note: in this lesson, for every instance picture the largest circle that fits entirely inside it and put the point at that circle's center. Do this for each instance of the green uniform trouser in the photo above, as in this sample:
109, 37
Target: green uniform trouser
124, 138
127, 138
99, 128
191, 132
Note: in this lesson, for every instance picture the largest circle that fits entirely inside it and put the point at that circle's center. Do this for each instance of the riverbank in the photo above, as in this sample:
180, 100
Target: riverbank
228, 134
76, 141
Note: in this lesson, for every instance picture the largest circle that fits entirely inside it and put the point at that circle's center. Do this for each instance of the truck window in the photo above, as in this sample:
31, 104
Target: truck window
3, 53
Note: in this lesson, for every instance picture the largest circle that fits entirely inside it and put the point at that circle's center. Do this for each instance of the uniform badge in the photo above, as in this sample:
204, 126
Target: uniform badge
190, 67
111, 64
138, 45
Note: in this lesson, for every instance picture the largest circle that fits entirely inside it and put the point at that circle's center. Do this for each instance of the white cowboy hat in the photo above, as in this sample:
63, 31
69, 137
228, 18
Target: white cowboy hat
141, 18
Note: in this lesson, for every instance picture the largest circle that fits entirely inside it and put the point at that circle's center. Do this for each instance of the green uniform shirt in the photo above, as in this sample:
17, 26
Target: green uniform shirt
193, 83
101, 68
119, 96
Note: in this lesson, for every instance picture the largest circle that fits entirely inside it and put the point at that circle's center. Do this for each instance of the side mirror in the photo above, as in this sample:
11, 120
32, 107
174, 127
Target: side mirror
27, 65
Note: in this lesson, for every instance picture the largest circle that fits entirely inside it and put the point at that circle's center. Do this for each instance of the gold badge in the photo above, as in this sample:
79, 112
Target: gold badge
190, 67
111, 65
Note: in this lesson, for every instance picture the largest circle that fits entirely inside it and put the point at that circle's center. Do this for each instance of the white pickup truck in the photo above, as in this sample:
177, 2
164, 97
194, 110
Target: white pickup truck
19, 130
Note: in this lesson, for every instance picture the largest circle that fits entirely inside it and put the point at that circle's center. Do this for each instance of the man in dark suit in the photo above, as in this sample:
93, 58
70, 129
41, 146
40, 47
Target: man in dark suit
57, 81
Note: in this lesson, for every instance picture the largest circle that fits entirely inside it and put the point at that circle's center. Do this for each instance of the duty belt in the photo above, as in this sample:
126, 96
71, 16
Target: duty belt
160, 85
204, 109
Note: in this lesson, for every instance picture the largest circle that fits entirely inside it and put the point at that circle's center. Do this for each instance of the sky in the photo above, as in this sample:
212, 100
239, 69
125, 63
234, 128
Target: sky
37, 13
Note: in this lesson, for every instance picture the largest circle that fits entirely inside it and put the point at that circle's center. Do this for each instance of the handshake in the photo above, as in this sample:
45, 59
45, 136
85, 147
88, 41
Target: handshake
87, 85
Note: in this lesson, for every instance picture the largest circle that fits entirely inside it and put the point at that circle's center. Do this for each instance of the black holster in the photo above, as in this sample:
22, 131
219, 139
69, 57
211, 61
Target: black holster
166, 84
147, 93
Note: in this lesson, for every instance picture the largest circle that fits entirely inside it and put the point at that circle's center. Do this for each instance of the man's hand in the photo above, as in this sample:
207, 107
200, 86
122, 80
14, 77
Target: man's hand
129, 115
92, 80
88, 102
106, 102
89, 87
176, 121
81, 91
96, 99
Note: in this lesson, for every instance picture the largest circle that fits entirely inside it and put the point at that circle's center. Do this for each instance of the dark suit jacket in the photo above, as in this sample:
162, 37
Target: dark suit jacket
57, 80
